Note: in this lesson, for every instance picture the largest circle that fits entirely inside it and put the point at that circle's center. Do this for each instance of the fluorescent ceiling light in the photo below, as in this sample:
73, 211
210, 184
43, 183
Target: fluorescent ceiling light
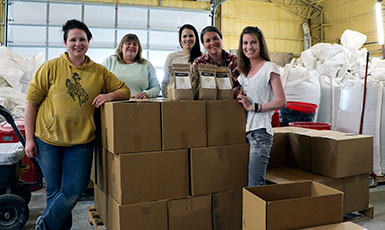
380, 26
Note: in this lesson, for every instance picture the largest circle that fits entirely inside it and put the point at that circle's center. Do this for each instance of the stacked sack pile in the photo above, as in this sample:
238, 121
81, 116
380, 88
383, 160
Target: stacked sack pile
15, 74
332, 76
171, 164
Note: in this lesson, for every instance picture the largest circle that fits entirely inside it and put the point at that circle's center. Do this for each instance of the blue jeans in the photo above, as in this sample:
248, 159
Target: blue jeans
260, 144
67, 174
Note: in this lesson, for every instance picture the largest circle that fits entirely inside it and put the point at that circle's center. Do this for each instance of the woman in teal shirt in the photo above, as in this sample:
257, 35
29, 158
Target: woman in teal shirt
129, 66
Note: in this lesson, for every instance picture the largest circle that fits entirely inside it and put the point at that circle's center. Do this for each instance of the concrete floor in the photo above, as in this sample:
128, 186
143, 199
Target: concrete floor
377, 199
80, 215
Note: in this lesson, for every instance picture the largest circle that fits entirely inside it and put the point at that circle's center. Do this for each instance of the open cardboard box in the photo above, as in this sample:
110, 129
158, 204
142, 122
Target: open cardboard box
355, 188
340, 226
291, 206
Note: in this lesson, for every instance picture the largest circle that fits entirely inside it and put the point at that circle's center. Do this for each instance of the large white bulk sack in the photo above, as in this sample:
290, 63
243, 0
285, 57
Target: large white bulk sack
17, 70
301, 85
352, 40
13, 100
349, 116
377, 69
330, 100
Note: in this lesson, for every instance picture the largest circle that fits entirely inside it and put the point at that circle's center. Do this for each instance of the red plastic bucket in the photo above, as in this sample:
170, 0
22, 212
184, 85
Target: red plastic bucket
311, 125
275, 119
302, 107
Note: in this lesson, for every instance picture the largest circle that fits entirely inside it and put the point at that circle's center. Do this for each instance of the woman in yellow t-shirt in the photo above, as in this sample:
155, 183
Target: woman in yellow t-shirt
59, 125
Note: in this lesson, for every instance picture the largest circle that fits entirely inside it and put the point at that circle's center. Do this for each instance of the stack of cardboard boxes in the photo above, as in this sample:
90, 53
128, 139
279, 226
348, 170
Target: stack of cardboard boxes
171, 165
340, 160
318, 176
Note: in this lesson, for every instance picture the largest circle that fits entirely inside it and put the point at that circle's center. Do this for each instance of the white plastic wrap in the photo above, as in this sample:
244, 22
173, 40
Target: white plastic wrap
11, 153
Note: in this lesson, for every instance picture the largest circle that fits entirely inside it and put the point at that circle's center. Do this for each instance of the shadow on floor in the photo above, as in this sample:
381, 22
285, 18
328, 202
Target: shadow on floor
79, 214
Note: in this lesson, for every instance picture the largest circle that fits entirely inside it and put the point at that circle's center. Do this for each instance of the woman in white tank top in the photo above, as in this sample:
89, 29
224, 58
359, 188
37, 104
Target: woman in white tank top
261, 94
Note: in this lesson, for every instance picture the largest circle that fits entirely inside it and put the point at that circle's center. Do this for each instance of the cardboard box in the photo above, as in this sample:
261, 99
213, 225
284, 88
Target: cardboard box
183, 124
100, 199
227, 210
299, 150
100, 169
356, 191
337, 155
147, 215
291, 206
142, 177
291, 147
131, 126
221, 168
340, 226
143, 216
190, 213
355, 188
279, 149
290, 175
226, 123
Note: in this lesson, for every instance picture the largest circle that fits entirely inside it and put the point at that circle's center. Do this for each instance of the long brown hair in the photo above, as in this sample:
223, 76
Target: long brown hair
119, 51
244, 62
196, 49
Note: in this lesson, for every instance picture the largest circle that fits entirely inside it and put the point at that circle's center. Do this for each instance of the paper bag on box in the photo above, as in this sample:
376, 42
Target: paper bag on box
224, 83
207, 87
180, 83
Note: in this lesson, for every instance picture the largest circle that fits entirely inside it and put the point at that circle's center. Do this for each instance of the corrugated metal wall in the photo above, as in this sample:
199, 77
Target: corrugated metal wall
358, 15
281, 28
163, 3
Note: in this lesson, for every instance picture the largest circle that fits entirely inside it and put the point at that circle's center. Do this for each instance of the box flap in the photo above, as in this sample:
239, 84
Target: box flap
340, 226
254, 211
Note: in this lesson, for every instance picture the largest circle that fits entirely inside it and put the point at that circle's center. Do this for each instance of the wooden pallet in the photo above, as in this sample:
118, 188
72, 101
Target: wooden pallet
360, 215
94, 219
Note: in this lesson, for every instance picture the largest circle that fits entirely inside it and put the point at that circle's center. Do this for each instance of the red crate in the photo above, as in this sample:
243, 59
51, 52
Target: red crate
8, 135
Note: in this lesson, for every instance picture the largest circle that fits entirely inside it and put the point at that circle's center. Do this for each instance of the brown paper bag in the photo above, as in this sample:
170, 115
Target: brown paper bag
207, 87
180, 83
224, 83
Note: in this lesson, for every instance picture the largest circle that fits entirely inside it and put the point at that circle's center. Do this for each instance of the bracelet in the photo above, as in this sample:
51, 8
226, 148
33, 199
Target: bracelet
257, 108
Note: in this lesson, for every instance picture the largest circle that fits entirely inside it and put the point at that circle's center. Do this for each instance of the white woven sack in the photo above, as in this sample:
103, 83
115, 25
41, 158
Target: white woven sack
349, 114
352, 40
301, 85
330, 100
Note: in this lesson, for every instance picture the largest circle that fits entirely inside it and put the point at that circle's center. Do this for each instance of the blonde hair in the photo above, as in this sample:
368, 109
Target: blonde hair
119, 49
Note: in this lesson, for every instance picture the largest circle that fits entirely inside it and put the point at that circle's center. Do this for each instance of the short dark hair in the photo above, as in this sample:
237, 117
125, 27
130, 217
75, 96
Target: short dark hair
119, 49
196, 49
210, 29
242, 61
75, 24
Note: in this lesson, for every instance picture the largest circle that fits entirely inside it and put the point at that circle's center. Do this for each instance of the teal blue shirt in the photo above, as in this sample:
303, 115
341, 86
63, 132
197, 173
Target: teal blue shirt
138, 77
